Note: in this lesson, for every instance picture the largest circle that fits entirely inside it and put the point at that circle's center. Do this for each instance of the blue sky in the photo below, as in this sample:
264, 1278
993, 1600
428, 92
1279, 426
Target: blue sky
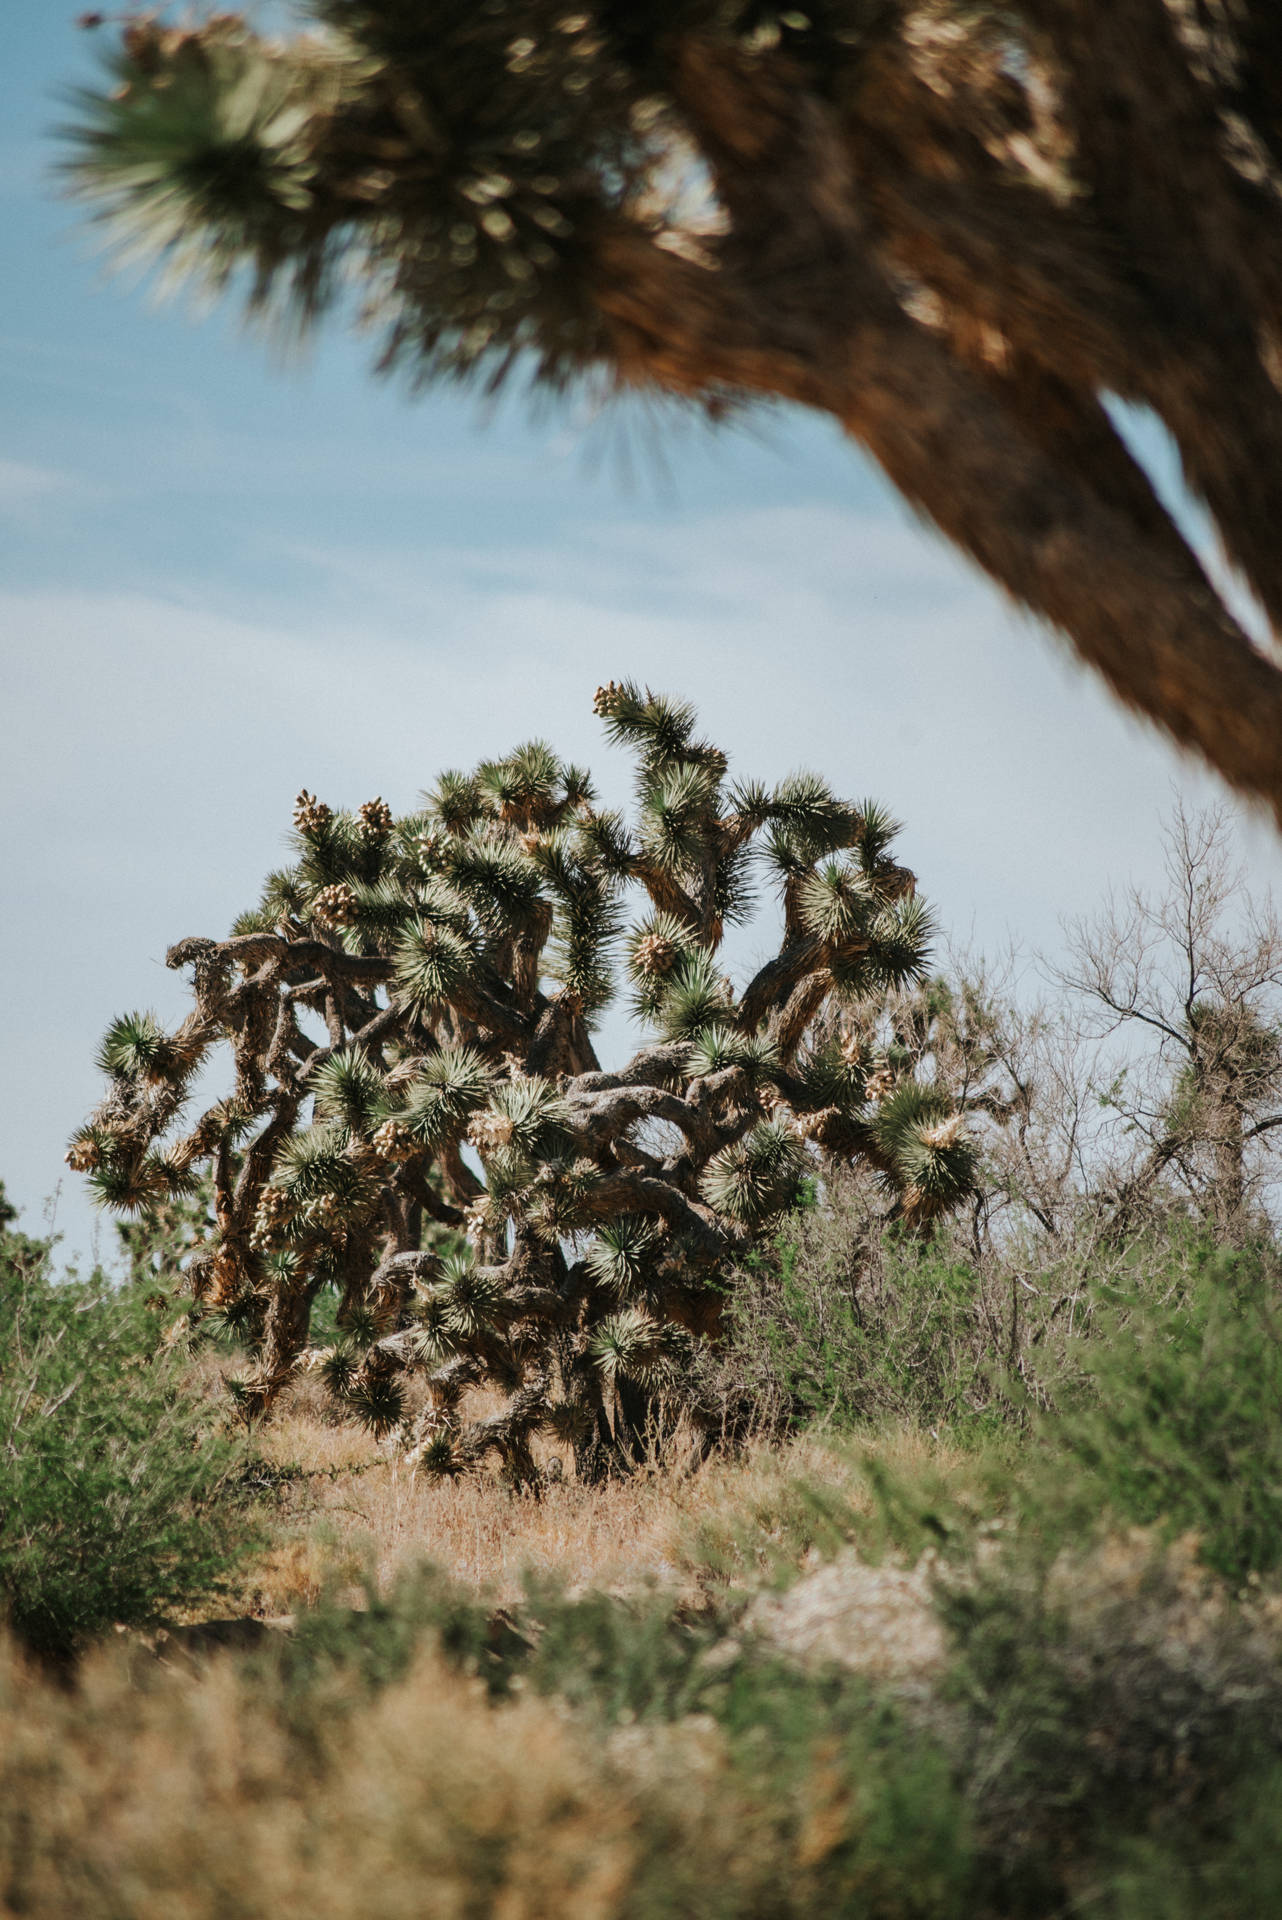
222, 579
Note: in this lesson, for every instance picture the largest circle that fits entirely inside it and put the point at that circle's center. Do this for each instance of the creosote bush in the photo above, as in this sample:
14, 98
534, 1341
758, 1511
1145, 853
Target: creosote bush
420, 1121
117, 1502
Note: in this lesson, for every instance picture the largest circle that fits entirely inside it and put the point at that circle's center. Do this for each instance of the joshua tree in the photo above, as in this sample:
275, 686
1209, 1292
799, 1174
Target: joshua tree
419, 1118
955, 226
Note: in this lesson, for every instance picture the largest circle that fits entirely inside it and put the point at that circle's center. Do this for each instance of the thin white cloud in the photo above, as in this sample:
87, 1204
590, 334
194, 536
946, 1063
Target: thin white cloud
22, 485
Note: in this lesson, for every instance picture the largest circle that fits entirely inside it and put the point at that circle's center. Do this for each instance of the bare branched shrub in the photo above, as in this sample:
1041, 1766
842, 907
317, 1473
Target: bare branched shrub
1191, 983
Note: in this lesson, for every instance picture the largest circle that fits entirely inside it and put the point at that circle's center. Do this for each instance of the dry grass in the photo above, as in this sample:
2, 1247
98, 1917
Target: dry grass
361, 1509
360, 1512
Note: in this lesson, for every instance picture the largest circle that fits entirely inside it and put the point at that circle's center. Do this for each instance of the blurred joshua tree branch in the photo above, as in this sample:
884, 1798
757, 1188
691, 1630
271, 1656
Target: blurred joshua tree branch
491, 1205
957, 227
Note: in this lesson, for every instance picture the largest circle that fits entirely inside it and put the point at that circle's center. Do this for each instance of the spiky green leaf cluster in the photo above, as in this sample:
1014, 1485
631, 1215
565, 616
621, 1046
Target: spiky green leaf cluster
931, 1161
449, 1084
461, 163
349, 1088
620, 1257
136, 1047
628, 1345
758, 1177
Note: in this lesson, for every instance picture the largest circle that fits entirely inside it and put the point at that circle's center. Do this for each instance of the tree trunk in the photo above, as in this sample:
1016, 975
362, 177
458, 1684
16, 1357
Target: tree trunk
284, 1338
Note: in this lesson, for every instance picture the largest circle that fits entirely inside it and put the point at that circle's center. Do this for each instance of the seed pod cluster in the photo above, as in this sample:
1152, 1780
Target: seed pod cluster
880, 1083
334, 906
375, 819
271, 1217
310, 814
394, 1141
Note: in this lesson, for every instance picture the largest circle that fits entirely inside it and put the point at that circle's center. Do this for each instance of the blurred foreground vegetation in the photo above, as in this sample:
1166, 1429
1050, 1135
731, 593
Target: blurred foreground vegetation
1068, 1700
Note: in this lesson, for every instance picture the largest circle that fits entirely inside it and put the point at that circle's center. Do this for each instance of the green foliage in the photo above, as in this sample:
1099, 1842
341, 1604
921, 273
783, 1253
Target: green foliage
1179, 1422
448, 1086
1103, 1712
695, 997
432, 962
116, 1503
839, 1325
627, 1345
816, 1766
758, 1177
136, 1044
619, 1256
349, 1088
158, 1244
1117, 1713
211, 166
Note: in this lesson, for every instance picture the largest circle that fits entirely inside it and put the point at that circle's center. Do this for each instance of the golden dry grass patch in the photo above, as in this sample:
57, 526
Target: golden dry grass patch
358, 1507
359, 1511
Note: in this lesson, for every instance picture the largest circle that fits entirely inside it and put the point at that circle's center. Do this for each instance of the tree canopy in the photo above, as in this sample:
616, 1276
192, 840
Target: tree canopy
958, 227
419, 1119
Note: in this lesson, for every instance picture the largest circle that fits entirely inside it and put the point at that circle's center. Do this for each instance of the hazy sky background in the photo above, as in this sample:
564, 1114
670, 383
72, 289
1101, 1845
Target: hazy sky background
221, 580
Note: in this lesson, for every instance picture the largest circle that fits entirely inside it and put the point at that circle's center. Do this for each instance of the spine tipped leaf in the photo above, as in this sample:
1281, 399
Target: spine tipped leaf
759, 1176
696, 996
621, 1256
377, 1400
653, 951
432, 964
718, 1048
925, 1142
349, 1088
628, 1345
447, 1088
837, 904
136, 1047
527, 1114
657, 727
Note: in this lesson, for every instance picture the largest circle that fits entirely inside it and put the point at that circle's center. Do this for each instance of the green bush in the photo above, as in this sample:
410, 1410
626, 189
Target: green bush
1178, 1422
847, 1325
116, 1503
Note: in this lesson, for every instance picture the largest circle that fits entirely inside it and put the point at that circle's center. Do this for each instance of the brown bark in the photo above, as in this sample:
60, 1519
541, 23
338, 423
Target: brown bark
1096, 556
956, 233
1204, 248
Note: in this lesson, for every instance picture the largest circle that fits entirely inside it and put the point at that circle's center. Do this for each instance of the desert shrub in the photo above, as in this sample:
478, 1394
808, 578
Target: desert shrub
1105, 1695
1162, 1410
847, 1323
117, 1501
1103, 1724
1152, 1358
1242, 1875
1177, 1417
479, 1777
